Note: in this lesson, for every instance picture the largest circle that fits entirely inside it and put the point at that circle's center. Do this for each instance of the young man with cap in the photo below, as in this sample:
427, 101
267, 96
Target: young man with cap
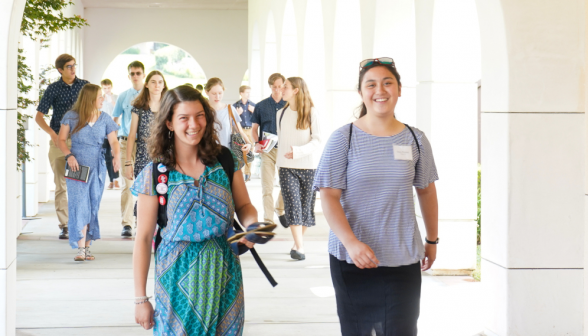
60, 96
122, 110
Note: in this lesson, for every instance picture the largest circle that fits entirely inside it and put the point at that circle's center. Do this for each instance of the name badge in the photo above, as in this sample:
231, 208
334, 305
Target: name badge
403, 153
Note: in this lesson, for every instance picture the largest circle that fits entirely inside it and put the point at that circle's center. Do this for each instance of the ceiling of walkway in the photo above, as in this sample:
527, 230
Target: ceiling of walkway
176, 4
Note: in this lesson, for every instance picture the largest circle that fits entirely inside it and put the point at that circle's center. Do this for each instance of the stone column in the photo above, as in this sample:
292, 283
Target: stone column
448, 68
533, 142
11, 17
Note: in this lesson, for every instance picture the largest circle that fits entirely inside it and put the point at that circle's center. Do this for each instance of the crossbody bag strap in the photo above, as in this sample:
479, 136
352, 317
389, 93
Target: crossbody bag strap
158, 178
282, 115
234, 127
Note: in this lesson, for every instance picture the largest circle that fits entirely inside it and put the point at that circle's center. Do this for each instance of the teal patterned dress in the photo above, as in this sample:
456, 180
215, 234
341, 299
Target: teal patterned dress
198, 281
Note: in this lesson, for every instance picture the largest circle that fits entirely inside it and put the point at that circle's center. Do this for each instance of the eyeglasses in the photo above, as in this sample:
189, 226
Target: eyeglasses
132, 74
381, 60
69, 67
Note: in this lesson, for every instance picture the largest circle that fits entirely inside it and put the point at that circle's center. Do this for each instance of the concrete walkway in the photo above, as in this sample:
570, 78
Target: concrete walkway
57, 296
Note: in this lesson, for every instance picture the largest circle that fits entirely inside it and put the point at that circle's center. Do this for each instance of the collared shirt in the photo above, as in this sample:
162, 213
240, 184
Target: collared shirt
265, 115
61, 97
108, 105
246, 115
123, 107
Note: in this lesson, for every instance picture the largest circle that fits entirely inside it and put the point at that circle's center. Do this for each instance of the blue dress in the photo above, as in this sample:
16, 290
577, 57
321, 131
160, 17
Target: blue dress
84, 198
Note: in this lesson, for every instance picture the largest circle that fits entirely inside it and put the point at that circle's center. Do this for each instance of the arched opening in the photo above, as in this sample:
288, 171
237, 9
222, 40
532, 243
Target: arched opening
289, 43
177, 66
270, 58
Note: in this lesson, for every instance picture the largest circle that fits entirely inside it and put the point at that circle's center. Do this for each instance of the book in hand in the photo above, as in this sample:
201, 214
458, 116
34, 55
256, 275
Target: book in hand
80, 175
269, 142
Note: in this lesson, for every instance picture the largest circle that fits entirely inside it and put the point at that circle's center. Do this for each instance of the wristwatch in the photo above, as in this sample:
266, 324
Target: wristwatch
68, 155
432, 242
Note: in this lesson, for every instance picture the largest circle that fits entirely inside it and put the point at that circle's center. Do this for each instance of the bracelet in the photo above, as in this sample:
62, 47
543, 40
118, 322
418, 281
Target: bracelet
128, 165
141, 302
128, 161
435, 242
143, 297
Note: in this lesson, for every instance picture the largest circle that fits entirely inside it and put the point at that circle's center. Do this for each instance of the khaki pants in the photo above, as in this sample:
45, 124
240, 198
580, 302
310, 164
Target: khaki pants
247, 167
127, 201
57, 162
268, 173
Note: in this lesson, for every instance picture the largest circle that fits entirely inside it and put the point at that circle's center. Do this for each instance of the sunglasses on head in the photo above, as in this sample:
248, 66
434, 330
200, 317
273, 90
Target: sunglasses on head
371, 61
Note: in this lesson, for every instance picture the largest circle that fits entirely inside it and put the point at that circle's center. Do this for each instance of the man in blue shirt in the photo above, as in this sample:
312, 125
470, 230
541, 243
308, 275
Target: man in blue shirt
245, 108
60, 96
122, 111
264, 120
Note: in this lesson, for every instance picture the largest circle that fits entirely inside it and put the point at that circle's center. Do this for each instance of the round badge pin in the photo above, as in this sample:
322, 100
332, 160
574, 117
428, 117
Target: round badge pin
161, 188
161, 200
161, 168
162, 178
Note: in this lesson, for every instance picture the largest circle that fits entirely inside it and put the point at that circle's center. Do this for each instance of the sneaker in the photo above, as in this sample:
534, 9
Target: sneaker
64, 233
81, 256
127, 231
297, 255
116, 186
89, 255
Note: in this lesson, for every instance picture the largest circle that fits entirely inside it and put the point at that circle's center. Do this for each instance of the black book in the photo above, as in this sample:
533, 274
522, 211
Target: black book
80, 175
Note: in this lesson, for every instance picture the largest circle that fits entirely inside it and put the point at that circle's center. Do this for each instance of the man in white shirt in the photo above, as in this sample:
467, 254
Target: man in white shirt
109, 97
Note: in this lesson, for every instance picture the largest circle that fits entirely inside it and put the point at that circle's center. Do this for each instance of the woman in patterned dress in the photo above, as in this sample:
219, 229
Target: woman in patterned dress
145, 108
87, 127
198, 281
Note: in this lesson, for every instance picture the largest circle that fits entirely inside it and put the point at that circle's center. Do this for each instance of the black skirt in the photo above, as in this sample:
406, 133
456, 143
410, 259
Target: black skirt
379, 301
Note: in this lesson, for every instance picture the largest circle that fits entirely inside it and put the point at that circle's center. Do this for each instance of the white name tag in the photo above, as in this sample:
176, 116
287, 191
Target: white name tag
403, 153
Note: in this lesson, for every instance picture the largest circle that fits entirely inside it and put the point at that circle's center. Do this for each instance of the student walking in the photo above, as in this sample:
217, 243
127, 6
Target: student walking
245, 108
88, 127
60, 96
145, 109
122, 110
366, 177
198, 279
108, 107
264, 120
299, 136
215, 91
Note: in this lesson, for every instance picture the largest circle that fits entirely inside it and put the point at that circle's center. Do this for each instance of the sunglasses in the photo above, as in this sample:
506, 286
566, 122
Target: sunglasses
371, 61
132, 74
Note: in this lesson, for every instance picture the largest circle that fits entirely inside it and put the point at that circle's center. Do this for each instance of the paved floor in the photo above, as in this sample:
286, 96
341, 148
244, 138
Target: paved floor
57, 296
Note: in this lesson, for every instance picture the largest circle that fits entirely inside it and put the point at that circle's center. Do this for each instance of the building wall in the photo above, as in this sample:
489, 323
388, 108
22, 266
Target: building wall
217, 39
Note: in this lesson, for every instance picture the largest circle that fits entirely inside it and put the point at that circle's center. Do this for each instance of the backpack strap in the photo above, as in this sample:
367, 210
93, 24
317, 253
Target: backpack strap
415, 138
160, 175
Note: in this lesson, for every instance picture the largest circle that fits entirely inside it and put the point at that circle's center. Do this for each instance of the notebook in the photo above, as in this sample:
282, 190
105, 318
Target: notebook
80, 175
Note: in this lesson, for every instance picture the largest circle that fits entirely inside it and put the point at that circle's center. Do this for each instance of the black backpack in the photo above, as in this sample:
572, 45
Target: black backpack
225, 158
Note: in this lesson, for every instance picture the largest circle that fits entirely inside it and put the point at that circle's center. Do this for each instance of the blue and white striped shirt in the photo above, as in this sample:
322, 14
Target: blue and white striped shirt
377, 194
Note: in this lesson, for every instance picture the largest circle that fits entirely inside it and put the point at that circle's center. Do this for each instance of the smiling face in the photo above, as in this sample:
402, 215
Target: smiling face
188, 123
215, 94
288, 92
155, 85
99, 100
380, 91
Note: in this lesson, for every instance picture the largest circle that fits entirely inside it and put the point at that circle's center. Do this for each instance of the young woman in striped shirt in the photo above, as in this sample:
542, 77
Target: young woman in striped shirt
299, 137
366, 178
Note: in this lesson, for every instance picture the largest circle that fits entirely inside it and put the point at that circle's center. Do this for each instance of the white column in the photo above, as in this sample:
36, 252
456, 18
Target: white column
10, 18
448, 68
533, 142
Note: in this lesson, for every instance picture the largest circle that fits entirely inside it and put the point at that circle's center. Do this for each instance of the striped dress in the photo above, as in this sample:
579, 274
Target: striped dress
377, 191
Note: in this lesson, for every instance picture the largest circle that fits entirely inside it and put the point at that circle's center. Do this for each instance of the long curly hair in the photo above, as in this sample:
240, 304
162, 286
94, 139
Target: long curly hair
304, 103
161, 142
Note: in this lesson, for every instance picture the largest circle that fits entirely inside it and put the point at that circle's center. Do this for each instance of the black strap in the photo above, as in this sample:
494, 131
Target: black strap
415, 139
162, 209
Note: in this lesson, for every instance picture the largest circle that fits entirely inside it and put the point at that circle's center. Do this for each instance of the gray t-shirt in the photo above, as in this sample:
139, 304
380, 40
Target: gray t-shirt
377, 194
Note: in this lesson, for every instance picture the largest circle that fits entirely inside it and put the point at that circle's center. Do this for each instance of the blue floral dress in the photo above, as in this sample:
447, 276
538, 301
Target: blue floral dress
84, 197
198, 281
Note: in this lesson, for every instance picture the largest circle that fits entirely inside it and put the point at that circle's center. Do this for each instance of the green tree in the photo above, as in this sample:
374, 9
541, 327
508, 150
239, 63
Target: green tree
41, 19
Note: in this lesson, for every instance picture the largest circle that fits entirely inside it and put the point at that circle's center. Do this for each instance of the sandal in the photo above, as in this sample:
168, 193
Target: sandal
81, 256
89, 255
